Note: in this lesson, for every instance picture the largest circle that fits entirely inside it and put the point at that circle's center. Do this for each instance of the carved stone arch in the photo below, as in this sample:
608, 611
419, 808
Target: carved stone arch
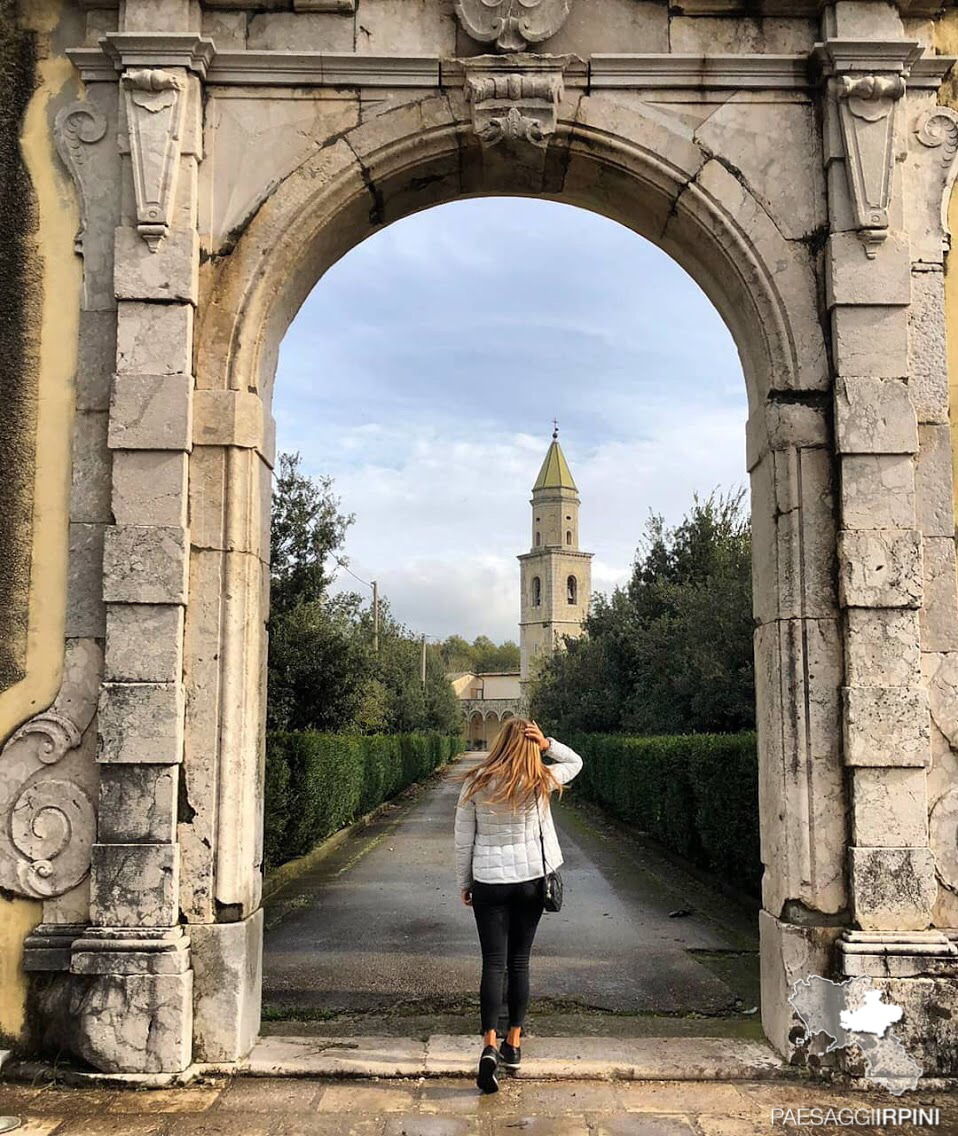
636, 164
637, 167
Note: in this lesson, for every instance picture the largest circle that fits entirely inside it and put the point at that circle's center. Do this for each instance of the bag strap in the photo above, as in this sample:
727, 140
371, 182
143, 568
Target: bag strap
541, 837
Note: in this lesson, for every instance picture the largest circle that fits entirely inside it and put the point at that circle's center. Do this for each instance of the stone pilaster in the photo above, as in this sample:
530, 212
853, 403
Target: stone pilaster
896, 540
134, 987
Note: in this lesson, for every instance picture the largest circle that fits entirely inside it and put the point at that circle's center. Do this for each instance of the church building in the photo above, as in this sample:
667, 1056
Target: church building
555, 576
555, 590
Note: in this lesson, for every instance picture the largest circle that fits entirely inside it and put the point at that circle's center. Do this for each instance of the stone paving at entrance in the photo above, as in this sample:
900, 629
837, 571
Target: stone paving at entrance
262, 1106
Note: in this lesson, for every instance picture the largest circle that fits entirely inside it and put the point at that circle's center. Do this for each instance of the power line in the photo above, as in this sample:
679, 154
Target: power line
346, 568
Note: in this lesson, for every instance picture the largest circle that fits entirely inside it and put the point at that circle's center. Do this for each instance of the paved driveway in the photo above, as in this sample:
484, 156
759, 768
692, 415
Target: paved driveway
379, 926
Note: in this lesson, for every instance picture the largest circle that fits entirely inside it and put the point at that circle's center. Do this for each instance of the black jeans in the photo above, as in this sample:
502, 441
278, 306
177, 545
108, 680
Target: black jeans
507, 916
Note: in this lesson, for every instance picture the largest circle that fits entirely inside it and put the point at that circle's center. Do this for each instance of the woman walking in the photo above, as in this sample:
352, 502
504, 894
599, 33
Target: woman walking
505, 845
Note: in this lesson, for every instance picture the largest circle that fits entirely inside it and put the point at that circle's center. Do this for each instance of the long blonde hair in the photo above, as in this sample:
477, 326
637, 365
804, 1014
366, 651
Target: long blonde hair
514, 768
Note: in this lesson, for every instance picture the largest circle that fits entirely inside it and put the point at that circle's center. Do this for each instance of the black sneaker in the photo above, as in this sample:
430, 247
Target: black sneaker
511, 1055
487, 1078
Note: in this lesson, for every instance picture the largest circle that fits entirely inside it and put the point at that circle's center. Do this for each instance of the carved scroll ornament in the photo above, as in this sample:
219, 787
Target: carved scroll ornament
155, 103
937, 129
49, 819
512, 24
76, 127
867, 107
514, 102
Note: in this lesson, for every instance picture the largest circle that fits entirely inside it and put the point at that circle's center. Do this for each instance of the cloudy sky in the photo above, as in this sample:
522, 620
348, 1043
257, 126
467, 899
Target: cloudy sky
425, 368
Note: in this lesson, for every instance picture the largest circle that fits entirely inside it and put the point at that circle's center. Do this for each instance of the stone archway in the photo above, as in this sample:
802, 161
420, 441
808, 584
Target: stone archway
476, 734
831, 285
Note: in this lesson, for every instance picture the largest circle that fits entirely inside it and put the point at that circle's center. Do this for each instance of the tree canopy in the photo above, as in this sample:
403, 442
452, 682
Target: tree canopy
671, 651
323, 671
480, 656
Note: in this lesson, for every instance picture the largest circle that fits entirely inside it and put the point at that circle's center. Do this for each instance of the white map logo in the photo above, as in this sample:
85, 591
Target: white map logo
853, 1013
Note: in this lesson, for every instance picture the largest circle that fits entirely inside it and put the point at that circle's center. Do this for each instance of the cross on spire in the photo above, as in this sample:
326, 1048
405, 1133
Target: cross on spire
555, 429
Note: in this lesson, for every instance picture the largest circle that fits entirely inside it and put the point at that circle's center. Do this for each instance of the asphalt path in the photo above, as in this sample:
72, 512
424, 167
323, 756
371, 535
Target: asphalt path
380, 926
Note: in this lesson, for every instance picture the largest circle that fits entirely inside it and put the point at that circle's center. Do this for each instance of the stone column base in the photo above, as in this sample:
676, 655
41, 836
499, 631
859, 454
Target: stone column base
917, 971
132, 1000
790, 952
227, 987
49, 946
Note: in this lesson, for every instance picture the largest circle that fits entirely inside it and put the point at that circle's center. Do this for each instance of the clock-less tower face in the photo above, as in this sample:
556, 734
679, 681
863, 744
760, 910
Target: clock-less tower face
556, 576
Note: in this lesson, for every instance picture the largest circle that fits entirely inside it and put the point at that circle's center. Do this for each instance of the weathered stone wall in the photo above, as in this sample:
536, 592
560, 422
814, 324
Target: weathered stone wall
223, 156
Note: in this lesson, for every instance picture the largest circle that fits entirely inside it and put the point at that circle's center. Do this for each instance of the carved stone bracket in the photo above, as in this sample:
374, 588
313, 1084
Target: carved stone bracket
49, 821
868, 81
938, 129
514, 99
512, 24
155, 105
76, 127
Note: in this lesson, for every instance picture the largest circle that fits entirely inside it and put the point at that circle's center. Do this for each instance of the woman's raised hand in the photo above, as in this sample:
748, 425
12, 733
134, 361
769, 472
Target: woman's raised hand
534, 734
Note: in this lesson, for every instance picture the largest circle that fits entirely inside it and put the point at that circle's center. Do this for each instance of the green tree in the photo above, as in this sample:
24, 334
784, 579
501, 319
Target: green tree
671, 652
481, 656
323, 672
306, 533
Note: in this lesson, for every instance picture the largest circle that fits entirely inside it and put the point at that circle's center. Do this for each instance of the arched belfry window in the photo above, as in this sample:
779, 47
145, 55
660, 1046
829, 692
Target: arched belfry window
538, 539
572, 590
568, 536
536, 591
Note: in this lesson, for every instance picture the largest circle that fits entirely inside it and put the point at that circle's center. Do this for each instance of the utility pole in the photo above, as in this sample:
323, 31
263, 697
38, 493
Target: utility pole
375, 616
422, 665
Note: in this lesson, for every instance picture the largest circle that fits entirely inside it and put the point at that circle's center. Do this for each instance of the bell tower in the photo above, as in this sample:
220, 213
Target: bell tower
555, 576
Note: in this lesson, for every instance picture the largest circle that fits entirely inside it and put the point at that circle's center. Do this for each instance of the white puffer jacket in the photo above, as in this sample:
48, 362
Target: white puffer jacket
498, 845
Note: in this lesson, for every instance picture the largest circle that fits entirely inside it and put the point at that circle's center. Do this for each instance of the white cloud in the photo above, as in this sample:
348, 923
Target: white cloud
424, 371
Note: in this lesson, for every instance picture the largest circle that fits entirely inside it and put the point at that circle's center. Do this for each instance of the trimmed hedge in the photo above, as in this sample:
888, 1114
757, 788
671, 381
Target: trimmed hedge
696, 794
317, 783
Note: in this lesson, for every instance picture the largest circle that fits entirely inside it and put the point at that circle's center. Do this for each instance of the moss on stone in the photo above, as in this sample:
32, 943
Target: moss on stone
20, 300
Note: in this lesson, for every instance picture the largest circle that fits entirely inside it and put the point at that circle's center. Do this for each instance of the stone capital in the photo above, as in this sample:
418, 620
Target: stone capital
159, 49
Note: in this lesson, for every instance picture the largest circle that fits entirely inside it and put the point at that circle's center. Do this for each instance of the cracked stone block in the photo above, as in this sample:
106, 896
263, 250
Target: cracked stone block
939, 613
889, 808
870, 340
228, 975
878, 491
228, 418
882, 647
171, 272
137, 804
134, 1023
134, 885
313, 31
145, 564
144, 642
96, 359
852, 278
927, 357
90, 490
149, 487
874, 416
85, 611
151, 412
141, 722
881, 568
790, 952
893, 889
934, 481
886, 726
154, 339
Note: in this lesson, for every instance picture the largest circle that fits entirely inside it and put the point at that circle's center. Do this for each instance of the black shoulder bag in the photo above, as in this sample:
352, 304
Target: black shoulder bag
551, 881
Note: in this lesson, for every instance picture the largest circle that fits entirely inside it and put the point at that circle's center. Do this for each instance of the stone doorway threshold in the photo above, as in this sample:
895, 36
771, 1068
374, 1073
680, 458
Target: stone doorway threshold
450, 1055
